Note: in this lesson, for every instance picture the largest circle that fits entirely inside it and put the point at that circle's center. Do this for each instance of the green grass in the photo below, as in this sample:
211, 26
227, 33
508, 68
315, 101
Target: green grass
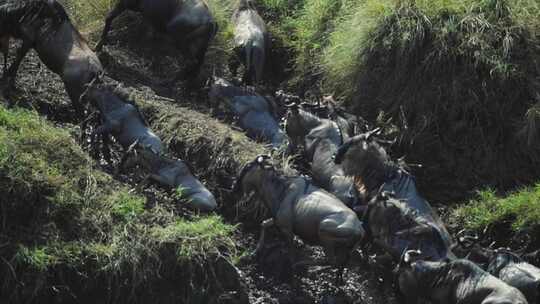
198, 238
89, 15
519, 210
61, 218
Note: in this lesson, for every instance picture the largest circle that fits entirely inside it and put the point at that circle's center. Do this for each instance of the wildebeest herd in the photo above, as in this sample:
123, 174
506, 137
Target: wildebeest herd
358, 196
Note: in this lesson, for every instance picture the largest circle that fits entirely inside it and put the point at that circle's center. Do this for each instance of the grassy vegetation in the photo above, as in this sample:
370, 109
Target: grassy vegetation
70, 230
519, 210
457, 78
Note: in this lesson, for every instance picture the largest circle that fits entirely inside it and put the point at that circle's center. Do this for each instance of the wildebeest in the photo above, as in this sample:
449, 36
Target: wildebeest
299, 208
121, 117
505, 265
514, 271
364, 158
189, 24
452, 282
395, 227
45, 26
250, 40
255, 113
321, 139
170, 173
4, 49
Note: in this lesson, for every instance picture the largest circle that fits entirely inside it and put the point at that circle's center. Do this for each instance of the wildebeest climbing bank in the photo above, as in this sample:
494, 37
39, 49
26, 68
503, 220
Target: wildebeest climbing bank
263, 151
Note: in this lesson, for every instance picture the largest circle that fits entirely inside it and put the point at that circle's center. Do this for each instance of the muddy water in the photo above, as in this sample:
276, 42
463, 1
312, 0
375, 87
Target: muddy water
269, 277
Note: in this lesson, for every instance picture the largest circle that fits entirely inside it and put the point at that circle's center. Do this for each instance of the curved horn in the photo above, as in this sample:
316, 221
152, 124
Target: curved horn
462, 239
259, 161
293, 107
410, 255
376, 131
342, 150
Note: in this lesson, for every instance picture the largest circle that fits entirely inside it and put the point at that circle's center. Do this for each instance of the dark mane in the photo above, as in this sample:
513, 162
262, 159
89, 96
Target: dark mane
15, 12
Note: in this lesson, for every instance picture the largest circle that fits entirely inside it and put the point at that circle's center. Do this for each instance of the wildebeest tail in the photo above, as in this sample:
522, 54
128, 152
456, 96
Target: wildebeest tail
249, 52
258, 62
254, 60
214, 29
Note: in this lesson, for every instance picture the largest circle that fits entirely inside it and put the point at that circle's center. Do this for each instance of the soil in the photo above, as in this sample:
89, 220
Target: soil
269, 278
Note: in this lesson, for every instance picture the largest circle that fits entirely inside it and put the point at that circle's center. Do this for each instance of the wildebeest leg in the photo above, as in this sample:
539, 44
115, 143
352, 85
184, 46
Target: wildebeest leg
264, 225
98, 132
84, 124
342, 259
234, 62
197, 42
107, 149
148, 179
12, 71
4, 45
117, 10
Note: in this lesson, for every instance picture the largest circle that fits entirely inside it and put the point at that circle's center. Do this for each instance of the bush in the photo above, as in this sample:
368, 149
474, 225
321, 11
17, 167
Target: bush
66, 224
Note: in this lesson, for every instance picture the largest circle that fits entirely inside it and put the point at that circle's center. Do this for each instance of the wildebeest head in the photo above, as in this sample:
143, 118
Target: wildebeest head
363, 156
299, 123
418, 278
252, 173
397, 227
468, 246
409, 274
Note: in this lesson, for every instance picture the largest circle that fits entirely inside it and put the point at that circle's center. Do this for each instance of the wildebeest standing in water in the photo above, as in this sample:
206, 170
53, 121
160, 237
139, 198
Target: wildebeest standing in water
250, 40
364, 158
188, 23
299, 208
452, 282
45, 26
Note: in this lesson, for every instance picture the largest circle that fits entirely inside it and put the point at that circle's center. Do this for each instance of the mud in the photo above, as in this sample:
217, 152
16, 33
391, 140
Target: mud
269, 278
